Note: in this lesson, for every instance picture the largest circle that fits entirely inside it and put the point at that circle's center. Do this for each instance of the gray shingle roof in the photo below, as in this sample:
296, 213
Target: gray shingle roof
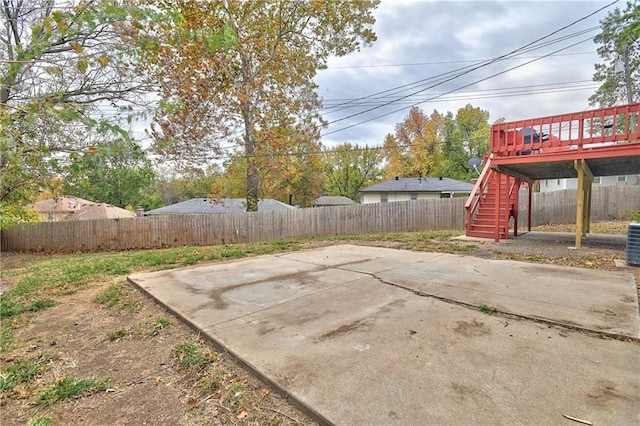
421, 185
340, 200
217, 205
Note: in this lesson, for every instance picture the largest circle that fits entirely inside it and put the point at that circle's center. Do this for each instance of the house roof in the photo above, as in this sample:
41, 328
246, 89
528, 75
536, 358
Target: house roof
100, 211
217, 205
339, 200
75, 208
62, 204
421, 185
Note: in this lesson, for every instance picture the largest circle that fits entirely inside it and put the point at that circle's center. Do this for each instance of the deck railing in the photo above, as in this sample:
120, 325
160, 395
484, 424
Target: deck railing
472, 203
567, 132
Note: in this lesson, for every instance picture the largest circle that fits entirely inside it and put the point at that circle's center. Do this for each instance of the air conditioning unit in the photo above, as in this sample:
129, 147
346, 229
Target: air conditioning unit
633, 244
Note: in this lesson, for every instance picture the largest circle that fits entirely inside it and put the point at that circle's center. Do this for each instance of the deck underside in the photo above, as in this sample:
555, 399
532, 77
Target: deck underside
612, 161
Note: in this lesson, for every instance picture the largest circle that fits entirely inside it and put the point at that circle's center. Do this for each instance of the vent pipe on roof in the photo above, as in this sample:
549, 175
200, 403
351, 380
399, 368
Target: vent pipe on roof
396, 177
439, 177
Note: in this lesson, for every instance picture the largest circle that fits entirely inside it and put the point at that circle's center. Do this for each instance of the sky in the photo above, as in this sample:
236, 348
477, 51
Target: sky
421, 44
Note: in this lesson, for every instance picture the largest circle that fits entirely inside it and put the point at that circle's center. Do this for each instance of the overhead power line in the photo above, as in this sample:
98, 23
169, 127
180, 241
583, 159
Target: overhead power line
417, 64
468, 71
445, 93
497, 90
447, 76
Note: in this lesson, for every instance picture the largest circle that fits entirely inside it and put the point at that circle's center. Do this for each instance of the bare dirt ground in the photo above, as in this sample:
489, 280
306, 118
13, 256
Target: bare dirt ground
131, 345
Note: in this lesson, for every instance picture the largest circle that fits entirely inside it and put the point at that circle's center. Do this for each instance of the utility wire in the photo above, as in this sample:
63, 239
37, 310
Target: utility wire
412, 64
448, 92
532, 87
450, 75
476, 67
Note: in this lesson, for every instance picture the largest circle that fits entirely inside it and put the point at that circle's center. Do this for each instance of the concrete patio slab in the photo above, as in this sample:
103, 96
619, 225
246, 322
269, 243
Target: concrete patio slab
350, 333
597, 300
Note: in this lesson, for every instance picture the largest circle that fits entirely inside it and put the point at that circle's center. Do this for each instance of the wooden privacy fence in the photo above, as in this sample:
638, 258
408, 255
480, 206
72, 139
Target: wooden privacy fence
607, 203
213, 229
616, 202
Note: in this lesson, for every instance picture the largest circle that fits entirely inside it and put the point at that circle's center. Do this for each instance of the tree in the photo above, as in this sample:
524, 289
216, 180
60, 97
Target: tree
193, 183
253, 86
288, 172
294, 176
415, 148
466, 136
619, 75
437, 145
59, 63
115, 172
349, 168
397, 163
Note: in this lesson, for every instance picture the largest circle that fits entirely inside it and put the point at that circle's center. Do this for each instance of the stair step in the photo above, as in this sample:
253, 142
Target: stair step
486, 228
493, 207
485, 235
492, 213
478, 222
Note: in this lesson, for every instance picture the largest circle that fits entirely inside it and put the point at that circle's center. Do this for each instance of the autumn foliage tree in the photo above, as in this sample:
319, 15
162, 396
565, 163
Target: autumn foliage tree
288, 172
172, 188
438, 144
240, 74
414, 149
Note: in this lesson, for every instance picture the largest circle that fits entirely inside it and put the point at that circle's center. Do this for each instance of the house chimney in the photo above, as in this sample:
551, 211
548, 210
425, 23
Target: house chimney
439, 177
139, 211
396, 178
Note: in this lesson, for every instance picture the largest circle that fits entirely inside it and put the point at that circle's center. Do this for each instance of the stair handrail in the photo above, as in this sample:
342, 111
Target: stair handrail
515, 185
474, 197
514, 203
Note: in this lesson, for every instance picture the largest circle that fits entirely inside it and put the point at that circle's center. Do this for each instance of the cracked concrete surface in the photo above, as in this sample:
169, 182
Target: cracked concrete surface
365, 335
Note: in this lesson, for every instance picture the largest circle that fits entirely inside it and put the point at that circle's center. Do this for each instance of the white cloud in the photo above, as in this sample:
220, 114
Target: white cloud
443, 33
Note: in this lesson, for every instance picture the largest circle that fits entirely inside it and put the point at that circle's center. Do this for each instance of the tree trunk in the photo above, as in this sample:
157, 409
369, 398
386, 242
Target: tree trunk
250, 152
253, 179
252, 170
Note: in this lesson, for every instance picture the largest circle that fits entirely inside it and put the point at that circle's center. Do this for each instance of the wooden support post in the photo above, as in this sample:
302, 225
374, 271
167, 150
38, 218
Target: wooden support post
515, 218
496, 231
583, 210
588, 203
529, 210
579, 206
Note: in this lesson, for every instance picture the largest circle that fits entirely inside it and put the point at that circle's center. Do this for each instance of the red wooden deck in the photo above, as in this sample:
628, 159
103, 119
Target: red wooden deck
553, 138
607, 139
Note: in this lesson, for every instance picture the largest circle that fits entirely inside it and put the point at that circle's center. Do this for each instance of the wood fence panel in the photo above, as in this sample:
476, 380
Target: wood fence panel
616, 202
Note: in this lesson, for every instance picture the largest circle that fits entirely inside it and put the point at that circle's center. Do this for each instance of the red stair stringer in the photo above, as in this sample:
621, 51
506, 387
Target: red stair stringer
492, 203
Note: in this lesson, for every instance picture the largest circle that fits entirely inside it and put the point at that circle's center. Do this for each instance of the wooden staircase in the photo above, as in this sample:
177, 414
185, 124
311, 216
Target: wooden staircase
492, 204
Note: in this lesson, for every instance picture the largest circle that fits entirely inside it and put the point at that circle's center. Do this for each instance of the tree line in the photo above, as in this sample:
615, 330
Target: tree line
118, 172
